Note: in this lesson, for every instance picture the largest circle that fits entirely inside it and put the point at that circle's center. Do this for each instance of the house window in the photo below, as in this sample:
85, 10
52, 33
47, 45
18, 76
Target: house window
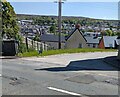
80, 45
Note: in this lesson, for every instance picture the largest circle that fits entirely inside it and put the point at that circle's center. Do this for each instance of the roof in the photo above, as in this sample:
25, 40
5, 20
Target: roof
51, 38
109, 41
92, 40
74, 32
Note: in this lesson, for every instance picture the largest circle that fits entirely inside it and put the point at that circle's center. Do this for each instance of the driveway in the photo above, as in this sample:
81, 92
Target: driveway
81, 74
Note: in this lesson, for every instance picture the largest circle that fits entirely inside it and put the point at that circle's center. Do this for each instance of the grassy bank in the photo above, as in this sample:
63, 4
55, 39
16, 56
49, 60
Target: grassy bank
63, 51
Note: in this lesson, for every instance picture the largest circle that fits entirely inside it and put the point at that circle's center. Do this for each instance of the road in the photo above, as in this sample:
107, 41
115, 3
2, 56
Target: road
81, 74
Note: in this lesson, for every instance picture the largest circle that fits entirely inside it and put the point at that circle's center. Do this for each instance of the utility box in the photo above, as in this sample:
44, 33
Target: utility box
9, 47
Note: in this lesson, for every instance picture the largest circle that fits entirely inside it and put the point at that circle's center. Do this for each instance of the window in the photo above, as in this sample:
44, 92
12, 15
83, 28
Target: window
80, 45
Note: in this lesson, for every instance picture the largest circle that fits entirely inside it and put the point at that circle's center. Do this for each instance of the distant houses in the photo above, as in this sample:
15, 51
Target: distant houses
108, 42
92, 42
74, 39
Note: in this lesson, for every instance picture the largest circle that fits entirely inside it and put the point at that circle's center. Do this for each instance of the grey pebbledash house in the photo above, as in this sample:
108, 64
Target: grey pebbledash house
76, 39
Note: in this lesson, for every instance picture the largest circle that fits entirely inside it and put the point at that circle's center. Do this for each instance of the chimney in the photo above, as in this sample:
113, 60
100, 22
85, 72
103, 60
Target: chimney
77, 26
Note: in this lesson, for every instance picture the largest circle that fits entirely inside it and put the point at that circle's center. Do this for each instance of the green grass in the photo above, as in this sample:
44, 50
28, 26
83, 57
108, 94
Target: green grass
63, 51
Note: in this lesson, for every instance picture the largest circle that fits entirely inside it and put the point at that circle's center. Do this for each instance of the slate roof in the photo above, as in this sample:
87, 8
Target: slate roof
109, 41
92, 40
51, 38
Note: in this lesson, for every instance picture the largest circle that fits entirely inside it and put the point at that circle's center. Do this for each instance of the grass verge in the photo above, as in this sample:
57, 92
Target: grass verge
63, 51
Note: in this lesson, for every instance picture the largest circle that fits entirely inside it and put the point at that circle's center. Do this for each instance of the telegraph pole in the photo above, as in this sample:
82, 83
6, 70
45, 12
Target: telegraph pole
59, 22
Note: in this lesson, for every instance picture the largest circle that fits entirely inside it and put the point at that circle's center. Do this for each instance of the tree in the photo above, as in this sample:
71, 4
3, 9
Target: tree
109, 32
9, 23
118, 34
53, 29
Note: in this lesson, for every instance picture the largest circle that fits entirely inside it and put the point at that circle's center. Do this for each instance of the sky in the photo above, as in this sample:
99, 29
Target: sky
98, 10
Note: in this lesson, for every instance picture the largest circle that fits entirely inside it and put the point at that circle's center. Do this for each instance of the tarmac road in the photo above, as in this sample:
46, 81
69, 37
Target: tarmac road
81, 74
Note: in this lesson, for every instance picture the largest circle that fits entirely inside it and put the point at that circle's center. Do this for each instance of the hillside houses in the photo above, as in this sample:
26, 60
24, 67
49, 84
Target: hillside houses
75, 38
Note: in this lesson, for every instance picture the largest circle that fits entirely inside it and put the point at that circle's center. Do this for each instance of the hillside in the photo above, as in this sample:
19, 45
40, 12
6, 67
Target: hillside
24, 16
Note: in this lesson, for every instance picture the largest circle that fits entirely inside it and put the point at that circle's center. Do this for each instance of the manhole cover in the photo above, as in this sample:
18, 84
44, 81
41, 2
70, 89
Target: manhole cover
85, 79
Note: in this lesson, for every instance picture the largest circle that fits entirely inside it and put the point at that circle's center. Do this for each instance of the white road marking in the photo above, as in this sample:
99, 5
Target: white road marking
64, 91
0, 75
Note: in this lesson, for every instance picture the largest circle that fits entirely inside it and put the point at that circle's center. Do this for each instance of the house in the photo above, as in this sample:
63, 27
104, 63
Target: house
94, 34
109, 42
52, 40
30, 31
92, 41
76, 39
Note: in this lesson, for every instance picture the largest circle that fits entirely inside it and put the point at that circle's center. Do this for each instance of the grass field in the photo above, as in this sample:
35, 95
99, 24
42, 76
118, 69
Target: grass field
63, 51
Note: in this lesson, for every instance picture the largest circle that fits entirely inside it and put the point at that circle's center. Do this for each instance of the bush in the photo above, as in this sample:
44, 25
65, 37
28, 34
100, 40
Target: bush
22, 48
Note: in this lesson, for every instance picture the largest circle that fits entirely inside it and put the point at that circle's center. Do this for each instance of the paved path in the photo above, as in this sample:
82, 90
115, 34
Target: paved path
68, 74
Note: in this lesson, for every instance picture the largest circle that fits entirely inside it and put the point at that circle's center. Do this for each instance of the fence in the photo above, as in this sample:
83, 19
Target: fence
37, 45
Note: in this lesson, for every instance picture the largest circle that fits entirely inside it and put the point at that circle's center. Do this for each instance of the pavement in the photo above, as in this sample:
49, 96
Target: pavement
80, 74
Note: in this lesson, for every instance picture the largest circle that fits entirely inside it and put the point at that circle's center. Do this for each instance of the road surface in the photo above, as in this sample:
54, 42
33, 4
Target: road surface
81, 74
